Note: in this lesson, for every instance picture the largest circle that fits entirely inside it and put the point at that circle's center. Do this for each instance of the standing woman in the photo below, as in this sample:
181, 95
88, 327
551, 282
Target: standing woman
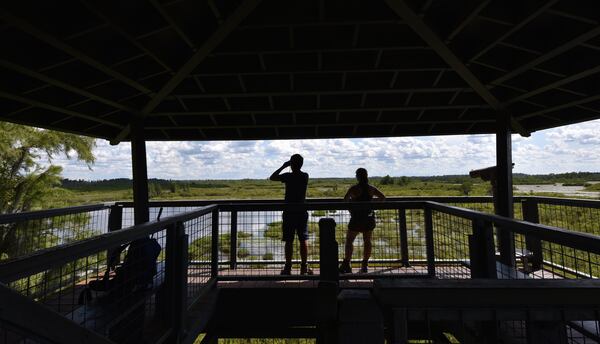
361, 221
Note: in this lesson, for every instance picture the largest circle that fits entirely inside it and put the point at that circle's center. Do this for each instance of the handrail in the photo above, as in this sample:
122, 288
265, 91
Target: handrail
574, 202
192, 203
40, 214
20, 267
22, 312
576, 240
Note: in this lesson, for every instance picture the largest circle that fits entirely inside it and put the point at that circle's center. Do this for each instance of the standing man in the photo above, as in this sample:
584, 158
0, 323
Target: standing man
294, 222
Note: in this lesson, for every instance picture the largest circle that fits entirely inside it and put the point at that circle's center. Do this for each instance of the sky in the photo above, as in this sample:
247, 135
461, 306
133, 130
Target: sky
565, 149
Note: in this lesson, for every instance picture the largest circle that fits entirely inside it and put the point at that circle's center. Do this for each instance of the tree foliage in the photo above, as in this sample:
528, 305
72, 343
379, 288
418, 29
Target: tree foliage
27, 174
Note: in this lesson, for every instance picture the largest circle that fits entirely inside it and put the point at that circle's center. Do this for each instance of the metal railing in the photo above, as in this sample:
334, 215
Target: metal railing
75, 280
232, 242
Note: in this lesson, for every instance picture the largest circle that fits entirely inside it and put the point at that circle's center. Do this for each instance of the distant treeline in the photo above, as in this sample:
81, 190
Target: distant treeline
572, 178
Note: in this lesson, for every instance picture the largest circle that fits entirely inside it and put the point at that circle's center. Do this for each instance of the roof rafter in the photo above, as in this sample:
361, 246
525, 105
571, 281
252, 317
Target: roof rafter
417, 24
50, 81
514, 29
549, 55
167, 17
562, 106
58, 44
467, 20
36, 103
203, 51
555, 85
115, 26
350, 109
317, 93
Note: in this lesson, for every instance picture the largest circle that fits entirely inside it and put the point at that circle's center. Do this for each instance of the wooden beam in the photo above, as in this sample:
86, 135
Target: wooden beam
248, 126
58, 44
562, 106
173, 24
549, 55
555, 85
514, 29
467, 20
50, 81
320, 72
417, 24
115, 26
42, 105
209, 45
140, 173
317, 93
351, 109
503, 193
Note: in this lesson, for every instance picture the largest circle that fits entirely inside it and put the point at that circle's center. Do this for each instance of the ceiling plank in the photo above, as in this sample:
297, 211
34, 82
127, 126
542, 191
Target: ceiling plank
417, 24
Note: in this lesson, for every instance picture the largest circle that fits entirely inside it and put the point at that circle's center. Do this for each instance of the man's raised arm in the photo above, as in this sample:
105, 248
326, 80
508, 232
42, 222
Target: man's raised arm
275, 176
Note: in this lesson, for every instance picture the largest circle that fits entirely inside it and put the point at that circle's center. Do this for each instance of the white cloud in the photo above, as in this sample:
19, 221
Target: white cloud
571, 148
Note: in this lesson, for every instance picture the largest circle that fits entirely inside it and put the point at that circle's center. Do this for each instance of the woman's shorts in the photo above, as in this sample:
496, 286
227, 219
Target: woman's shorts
362, 223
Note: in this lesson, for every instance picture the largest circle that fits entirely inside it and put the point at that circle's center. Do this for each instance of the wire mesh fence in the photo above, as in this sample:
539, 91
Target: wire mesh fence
199, 237
576, 217
22, 234
451, 245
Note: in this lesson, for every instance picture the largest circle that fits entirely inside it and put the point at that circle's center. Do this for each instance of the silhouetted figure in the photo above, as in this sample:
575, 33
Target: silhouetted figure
294, 222
361, 221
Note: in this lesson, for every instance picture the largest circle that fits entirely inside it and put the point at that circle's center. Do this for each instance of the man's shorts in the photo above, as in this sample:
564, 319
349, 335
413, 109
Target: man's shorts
294, 222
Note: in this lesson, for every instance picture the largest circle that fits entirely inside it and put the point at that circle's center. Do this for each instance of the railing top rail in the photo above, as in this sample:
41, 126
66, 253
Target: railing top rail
192, 203
573, 202
20, 267
333, 205
576, 240
40, 214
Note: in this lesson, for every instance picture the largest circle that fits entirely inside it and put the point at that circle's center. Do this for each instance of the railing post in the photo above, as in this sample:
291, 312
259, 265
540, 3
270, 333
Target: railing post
429, 242
214, 263
403, 237
115, 223
115, 218
233, 240
533, 244
482, 253
327, 290
328, 251
175, 295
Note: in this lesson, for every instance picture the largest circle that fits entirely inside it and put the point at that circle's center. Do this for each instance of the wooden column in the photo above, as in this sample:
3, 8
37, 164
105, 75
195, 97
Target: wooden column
504, 194
140, 173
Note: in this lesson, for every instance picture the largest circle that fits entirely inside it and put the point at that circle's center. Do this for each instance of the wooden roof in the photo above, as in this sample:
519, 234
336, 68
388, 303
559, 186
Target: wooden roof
278, 69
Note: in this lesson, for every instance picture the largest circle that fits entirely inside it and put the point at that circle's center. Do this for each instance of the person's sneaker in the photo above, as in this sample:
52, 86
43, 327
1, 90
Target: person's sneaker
345, 267
364, 268
287, 270
305, 270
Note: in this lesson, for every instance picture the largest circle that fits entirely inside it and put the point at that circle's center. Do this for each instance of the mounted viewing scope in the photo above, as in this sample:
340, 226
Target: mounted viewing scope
486, 173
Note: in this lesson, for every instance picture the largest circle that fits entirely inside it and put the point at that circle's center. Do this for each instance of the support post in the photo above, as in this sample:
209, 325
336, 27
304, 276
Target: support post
429, 242
214, 263
403, 237
233, 240
533, 244
400, 326
328, 251
482, 253
503, 197
140, 173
